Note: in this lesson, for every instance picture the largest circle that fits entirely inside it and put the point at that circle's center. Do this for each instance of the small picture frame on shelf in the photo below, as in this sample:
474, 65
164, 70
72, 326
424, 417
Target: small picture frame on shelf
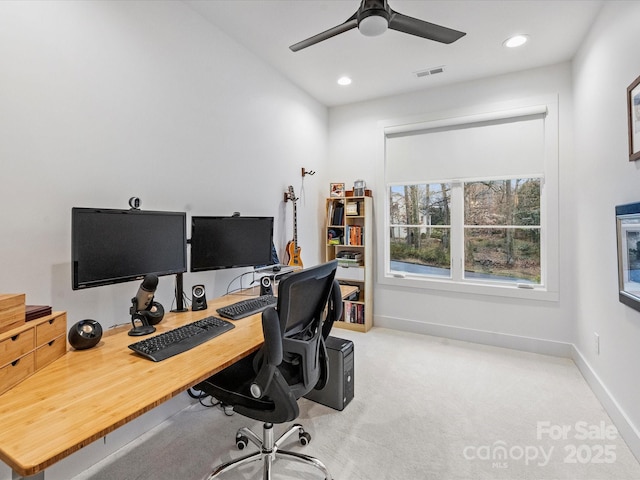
336, 190
633, 109
352, 208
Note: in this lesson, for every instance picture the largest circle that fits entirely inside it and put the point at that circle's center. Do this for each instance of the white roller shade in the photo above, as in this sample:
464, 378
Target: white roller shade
498, 144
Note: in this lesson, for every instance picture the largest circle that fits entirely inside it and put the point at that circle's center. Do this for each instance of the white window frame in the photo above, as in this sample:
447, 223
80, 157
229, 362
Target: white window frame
549, 241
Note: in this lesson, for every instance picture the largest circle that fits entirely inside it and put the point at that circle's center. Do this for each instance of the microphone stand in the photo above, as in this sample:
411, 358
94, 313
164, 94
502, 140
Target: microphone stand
145, 328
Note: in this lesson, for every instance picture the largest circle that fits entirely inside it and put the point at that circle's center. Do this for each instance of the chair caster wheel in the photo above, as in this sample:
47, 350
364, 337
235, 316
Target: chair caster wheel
305, 438
241, 441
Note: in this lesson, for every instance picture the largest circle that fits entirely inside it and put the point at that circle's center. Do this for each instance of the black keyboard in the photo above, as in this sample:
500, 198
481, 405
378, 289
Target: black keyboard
181, 339
247, 307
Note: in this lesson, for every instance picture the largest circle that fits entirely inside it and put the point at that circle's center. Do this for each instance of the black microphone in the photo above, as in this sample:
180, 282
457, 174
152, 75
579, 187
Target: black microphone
145, 293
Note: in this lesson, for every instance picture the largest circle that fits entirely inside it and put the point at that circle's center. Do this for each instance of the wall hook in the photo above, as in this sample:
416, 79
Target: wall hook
307, 172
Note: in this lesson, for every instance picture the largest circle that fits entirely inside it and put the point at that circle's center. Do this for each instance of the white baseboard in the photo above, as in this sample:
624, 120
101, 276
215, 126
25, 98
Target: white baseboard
525, 344
626, 428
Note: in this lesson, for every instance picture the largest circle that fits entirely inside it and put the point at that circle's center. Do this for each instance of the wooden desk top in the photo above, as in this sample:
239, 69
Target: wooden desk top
87, 394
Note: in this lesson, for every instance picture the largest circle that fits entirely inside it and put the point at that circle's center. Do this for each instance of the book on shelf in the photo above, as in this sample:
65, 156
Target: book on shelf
354, 235
337, 217
353, 312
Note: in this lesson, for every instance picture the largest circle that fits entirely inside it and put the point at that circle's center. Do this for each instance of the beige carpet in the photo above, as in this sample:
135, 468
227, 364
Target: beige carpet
424, 408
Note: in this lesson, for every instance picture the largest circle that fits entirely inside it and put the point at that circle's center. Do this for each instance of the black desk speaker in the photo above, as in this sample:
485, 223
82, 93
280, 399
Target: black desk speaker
85, 334
339, 390
266, 287
198, 298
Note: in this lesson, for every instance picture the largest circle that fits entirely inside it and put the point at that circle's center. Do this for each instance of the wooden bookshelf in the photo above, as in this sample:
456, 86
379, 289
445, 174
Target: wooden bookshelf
348, 227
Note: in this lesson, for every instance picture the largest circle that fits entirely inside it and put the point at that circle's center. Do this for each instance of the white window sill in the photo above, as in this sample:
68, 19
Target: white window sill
538, 292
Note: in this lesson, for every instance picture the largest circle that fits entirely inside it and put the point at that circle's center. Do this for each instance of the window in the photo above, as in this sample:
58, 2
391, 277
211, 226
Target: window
472, 203
500, 230
420, 234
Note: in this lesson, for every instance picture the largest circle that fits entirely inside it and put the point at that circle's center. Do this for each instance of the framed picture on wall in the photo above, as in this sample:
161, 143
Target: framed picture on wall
628, 239
633, 109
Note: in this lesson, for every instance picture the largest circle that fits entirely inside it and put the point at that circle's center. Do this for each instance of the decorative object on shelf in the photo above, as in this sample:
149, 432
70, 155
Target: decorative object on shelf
334, 236
358, 188
293, 250
336, 190
633, 110
352, 208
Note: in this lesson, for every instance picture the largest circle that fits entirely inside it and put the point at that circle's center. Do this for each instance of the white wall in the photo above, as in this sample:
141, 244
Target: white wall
606, 65
356, 150
101, 101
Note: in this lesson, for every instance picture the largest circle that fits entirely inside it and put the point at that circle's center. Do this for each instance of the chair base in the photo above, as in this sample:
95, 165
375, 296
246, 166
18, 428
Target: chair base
269, 451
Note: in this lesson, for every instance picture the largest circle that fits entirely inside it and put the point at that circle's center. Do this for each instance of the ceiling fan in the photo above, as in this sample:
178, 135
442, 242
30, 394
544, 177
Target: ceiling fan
374, 17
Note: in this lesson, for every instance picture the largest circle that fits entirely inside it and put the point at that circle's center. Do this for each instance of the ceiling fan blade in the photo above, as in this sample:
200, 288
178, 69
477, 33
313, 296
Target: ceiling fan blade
420, 28
350, 24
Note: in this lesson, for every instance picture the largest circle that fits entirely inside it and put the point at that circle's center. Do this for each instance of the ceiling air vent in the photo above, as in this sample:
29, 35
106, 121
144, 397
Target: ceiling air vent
429, 71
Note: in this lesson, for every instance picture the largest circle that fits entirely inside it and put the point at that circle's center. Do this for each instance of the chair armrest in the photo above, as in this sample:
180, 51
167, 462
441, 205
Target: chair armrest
272, 352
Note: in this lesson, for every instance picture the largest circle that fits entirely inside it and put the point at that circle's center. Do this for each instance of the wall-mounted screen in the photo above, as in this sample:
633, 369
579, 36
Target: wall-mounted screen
111, 246
229, 242
628, 235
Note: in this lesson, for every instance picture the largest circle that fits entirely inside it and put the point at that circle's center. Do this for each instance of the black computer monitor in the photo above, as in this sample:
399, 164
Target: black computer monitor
111, 246
230, 242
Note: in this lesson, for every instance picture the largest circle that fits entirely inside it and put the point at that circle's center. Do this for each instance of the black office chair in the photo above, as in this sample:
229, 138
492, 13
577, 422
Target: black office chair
265, 386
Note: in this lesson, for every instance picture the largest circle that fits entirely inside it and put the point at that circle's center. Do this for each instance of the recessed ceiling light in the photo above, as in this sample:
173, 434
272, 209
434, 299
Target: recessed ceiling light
344, 81
516, 41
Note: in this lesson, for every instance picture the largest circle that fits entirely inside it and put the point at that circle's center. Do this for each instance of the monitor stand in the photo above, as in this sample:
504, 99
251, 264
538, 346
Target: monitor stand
179, 295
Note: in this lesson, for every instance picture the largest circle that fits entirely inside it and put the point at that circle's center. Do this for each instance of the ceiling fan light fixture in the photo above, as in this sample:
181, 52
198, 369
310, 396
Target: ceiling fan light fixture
373, 25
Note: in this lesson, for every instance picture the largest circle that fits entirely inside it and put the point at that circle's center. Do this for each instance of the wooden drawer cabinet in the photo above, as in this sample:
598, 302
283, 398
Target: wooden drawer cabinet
30, 347
16, 346
16, 371
53, 327
50, 351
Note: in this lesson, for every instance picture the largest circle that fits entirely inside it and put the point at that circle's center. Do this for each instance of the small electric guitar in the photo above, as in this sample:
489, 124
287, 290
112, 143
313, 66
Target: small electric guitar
293, 250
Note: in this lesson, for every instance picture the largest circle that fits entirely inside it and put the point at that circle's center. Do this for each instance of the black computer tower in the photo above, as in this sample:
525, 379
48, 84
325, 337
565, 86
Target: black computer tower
339, 390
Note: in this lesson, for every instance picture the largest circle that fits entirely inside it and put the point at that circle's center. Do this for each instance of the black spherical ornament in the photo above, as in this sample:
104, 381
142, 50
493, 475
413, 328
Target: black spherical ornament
85, 334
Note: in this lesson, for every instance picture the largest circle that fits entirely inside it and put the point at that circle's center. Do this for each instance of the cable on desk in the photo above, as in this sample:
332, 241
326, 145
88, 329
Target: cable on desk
239, 277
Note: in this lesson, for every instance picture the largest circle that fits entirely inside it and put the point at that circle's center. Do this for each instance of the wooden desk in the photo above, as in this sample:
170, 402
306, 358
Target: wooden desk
87, 394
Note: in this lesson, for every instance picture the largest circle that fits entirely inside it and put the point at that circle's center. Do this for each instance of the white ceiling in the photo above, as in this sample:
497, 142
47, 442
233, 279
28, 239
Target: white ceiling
385, 65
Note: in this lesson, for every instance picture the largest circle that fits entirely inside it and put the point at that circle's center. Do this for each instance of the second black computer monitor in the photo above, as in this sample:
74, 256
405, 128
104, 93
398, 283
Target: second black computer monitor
230, 242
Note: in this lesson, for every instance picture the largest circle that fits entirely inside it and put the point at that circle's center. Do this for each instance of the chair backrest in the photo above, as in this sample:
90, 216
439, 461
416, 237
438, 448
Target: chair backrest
302, 303
293, 360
